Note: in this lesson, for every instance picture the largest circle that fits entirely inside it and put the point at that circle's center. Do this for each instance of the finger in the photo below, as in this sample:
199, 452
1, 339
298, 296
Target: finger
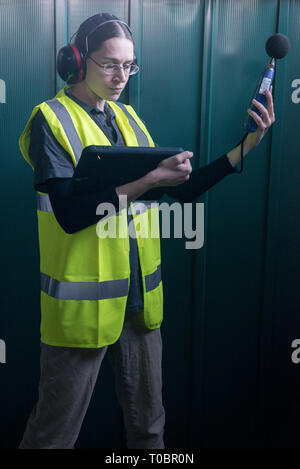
270, 104
181, 157
260, 107
269, 97
188, 155
264, 112
258, 120
185, 169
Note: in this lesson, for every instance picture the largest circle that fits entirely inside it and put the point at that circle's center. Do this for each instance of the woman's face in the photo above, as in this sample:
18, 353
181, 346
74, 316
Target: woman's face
116, 51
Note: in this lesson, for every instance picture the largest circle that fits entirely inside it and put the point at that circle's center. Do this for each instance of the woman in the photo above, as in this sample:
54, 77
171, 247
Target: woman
102, 295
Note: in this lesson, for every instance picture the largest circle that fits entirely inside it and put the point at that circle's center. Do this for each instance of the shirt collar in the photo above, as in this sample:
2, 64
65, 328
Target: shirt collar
88, 108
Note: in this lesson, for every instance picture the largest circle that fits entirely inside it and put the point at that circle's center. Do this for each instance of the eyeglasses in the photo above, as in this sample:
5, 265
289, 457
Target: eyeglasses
114, 69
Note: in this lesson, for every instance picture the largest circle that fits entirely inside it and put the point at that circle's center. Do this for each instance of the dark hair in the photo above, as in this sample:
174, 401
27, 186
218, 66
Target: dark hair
101, 34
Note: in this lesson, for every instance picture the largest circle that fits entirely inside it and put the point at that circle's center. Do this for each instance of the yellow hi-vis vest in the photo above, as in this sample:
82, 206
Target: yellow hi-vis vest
84, 277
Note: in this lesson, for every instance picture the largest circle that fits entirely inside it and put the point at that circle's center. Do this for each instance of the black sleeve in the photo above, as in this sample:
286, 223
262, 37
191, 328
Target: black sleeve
201, 180
75, 209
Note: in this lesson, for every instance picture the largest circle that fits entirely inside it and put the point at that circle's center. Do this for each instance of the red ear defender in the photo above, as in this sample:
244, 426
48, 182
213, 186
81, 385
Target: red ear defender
70, 64
80, 62
77, 55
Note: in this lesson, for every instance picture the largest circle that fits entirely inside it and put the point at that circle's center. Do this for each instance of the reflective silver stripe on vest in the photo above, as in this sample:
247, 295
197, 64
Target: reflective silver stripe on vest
139, 133
83, 290
65, 119
43, 203
153, 280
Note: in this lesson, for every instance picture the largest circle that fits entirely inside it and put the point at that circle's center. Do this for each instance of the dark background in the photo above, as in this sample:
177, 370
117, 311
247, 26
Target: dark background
232, 307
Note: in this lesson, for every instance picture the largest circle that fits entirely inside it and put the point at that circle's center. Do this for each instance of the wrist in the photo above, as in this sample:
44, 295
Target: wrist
135, 189
152, 180
234, 156
247, 145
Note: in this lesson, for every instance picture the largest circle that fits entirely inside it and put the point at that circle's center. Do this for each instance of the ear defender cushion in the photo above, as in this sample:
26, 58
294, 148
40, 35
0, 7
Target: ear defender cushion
70, 64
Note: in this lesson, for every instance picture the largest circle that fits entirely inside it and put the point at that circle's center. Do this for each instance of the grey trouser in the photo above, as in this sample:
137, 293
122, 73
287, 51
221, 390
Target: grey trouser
68, 376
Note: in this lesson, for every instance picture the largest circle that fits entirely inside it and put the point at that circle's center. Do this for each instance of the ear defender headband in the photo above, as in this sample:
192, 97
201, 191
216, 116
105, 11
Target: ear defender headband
70, 59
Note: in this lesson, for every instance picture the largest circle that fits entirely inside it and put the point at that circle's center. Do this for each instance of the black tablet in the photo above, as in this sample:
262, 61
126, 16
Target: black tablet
112, 166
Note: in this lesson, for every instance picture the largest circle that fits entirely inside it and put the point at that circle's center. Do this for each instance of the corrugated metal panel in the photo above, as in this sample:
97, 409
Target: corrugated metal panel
21, 23
78, 11
228, 311
27, 67
281, 298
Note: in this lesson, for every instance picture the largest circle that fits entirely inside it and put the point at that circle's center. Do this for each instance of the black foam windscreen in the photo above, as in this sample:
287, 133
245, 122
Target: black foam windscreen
277, 46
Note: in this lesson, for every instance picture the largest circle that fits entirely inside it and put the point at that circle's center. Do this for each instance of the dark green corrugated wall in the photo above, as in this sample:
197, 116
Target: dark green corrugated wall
232, 307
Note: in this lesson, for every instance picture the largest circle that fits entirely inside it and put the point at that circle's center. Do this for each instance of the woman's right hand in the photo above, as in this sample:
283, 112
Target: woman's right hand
170, 172
174, 170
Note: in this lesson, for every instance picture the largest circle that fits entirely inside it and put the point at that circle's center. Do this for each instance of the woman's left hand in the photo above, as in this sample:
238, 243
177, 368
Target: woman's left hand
263, 123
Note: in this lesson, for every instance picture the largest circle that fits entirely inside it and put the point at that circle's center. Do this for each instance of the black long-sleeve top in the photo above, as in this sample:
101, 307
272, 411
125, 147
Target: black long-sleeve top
76, 210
